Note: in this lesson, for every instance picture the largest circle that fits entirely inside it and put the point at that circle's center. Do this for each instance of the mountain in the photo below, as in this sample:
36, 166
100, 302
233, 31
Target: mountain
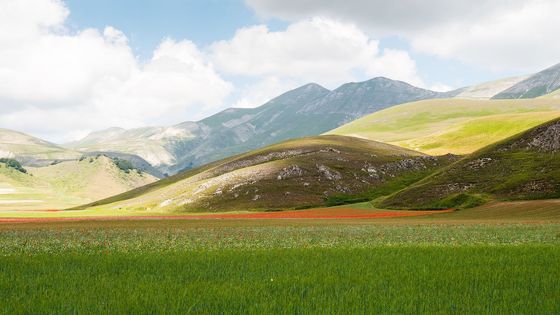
354, 100
536, 85
525, 166
457, 126
18, 145
488, 90
147, 142
66, 184
306, 111
296, 173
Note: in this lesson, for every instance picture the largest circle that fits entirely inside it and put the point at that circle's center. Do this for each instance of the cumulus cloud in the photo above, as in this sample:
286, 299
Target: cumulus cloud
56, 82
319, 49
498, 34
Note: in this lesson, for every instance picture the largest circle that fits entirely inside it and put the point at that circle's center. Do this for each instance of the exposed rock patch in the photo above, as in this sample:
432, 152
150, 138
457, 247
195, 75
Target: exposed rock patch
479, 163
290, 172
329, 173
544, 139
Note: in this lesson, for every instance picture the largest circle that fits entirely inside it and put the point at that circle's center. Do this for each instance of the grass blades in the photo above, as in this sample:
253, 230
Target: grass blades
413, 280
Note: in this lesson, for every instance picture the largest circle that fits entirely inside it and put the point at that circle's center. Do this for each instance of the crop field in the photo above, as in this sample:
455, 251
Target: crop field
469, 261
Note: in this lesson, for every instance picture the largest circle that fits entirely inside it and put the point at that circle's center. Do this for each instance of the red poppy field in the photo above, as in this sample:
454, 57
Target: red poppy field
319, 213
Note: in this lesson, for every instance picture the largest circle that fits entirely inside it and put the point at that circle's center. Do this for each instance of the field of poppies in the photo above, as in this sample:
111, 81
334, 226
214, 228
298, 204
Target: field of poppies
352, 266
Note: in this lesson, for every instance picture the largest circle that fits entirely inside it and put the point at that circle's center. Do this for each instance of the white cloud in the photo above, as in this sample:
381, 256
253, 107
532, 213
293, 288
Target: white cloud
511, 35
56, 82
519, 38
317, 50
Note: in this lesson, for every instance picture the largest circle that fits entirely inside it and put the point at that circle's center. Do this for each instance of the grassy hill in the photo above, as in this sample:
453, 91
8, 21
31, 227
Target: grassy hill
523, 167
457, 126
65, 184
15, 144
293, 174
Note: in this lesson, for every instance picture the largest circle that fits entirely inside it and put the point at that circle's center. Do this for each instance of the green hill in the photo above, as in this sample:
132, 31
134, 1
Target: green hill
525, 166
65, 184
293, 174
457, 126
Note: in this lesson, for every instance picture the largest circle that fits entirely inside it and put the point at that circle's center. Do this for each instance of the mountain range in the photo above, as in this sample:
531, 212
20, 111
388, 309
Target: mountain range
305, 111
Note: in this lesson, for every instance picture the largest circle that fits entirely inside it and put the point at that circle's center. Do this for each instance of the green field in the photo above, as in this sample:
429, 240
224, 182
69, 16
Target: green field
487, 260
412, 280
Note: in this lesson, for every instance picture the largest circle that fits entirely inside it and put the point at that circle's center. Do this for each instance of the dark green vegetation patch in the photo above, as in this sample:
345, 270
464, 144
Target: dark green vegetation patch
11, 163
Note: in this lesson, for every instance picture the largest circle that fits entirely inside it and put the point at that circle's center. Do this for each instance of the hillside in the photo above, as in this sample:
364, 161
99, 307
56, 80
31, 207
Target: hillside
539, 84
18, 145
525, 166
306, 111
455, 126
296, 173
65, 184
555, 94
489, 89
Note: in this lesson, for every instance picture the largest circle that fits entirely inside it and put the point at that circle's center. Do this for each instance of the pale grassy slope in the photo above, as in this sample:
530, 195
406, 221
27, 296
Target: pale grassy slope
17, 144
65, 184
488, 89
553, 95
457, 126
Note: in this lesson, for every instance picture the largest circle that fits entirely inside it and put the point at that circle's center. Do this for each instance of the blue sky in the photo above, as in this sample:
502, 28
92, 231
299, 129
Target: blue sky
147, 22
98, 64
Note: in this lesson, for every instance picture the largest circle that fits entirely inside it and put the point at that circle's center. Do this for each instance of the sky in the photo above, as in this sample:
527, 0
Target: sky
69, 67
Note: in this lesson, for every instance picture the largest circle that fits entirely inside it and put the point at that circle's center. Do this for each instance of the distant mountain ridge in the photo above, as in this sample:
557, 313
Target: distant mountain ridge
539, 84
15, 144
306, 111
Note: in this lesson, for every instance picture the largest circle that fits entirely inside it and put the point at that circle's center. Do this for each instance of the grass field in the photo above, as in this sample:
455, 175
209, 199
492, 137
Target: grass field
412, 280
497, 259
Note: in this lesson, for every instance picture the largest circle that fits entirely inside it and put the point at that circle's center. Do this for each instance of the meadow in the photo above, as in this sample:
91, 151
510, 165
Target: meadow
436, 264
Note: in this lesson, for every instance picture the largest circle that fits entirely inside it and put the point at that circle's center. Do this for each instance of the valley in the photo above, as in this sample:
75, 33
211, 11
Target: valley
279, 157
